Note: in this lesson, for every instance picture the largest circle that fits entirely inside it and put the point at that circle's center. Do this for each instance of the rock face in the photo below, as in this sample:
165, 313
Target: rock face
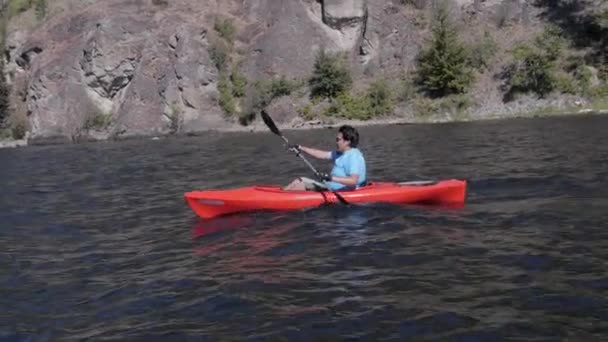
124, 68
140, 67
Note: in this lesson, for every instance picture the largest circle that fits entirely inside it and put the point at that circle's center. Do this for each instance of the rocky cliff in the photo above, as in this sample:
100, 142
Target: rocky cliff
138, 67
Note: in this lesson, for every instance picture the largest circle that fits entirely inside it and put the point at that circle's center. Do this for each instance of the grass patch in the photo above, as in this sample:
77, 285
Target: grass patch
454, 105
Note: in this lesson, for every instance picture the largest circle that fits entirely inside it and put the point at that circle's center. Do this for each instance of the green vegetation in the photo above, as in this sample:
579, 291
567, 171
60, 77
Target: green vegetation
231, 88
176, 116
231, 83
480, 55
16, 7
442, 66
160, 3
4, 97
13, 124
330, 76
378, 100
456, 105
41, 9
226, 29
349, 106
532, 71
5, 131
98, 121
219, 52
239, 83
545, 66
266, 91
226, 100
18, 129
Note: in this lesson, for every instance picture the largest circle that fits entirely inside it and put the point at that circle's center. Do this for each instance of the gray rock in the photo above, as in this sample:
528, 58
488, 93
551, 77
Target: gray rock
147, 68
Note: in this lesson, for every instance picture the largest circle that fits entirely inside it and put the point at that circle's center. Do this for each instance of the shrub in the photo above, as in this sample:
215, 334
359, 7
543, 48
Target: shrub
531, 71
481, 54
225, 29
442, 67
551, 42
583, 76
239, 82
419, 4
534, 67
379, 98
306, 112
176, 116
424, 107
41, 9
600, 91
266, 91
161, 3
18, 6
226, 100
330, 76
453, 104
407, 87
220, 55
565, 83
4, 96
98, 121
18, 130
350, 107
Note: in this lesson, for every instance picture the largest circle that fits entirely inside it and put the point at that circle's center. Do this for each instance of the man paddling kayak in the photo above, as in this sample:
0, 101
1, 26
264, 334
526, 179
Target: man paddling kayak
349, 171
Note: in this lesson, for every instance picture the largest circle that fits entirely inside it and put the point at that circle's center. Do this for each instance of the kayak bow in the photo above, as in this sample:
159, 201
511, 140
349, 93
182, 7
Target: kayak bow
211, 203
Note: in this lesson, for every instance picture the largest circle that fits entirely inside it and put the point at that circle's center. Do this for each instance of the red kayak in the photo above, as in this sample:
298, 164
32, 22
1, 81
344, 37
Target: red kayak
211, 203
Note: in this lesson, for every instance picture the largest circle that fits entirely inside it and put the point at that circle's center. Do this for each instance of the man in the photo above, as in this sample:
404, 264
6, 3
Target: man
349, 171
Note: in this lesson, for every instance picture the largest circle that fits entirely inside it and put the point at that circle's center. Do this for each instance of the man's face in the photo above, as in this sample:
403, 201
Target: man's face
341, 144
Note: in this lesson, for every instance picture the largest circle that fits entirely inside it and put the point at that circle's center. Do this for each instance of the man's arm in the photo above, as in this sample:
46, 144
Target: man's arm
316, 153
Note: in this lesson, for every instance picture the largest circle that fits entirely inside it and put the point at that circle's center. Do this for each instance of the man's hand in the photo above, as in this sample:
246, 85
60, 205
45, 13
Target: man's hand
294, 147
323, 176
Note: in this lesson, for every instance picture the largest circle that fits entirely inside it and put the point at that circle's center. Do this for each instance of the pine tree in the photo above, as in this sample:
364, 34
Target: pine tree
442, 67
330, 76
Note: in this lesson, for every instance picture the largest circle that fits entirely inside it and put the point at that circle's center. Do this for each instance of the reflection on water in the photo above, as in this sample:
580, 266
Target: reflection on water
97, 241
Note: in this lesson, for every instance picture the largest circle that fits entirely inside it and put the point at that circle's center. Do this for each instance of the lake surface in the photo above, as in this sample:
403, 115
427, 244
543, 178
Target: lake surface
96, 241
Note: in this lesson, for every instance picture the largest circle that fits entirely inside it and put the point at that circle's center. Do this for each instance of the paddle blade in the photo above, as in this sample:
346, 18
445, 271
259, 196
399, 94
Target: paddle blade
268, 121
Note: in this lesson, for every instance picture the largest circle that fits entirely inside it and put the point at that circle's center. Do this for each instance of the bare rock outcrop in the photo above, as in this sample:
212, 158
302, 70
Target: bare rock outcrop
143, 67
123, 71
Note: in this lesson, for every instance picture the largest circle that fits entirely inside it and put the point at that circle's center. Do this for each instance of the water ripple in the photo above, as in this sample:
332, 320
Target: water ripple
97, 242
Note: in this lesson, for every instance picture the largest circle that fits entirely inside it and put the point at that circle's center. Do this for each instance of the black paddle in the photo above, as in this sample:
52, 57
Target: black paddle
270, 123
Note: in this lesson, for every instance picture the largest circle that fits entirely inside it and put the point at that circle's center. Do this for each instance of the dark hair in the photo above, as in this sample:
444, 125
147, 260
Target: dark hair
350, 134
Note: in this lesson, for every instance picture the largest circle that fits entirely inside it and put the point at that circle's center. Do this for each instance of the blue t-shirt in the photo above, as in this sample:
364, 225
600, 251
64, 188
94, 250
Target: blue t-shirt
346, 164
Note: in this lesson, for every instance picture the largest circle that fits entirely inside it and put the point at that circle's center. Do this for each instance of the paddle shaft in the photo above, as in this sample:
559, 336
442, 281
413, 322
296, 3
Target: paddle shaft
273, 127
299, 154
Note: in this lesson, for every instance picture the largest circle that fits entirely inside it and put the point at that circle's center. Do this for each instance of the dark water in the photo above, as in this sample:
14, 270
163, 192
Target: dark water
96, 241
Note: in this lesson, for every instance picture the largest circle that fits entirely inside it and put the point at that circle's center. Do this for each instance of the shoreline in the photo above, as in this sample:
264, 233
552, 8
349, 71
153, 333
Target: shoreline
259, 126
